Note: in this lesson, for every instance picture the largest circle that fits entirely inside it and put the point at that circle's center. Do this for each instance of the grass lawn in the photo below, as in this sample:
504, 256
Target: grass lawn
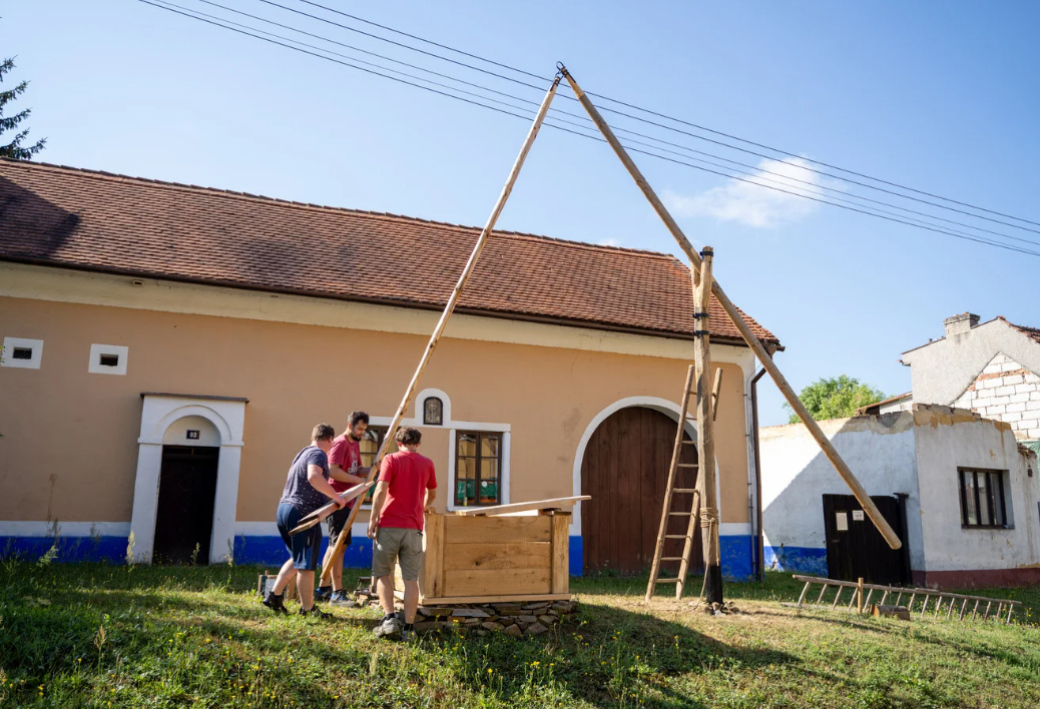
95, 635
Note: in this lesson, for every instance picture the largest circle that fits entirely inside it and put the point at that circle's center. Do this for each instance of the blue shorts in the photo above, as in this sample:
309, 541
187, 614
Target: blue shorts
305, 546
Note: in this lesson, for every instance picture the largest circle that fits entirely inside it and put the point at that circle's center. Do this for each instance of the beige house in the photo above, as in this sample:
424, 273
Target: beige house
167, 349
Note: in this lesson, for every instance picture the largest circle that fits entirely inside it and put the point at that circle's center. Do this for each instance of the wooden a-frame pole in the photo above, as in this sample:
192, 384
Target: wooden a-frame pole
709, 511
453, 300
738, 320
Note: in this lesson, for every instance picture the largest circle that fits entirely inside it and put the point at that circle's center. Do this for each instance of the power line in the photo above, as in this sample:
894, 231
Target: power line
527, 117
686, 123
757, 175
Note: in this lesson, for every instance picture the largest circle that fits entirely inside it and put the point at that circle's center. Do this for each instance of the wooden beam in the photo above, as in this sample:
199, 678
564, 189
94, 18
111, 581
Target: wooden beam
712, 588
738, 320
498, 510
449, 308
715, 394
528, 597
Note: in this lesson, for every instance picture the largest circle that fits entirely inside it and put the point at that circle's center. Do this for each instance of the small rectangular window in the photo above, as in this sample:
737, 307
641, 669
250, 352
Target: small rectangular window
109, 360
21, 353
478, 466
983, 503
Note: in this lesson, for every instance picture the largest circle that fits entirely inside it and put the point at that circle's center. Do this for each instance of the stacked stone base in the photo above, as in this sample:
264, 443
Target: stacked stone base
515, 618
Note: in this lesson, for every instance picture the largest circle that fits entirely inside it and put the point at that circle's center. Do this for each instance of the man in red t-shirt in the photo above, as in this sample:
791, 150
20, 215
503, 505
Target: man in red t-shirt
345, 472
407, 488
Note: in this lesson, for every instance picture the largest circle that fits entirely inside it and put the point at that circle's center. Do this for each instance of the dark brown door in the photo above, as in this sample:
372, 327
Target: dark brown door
184, 520
856, 549
625, 469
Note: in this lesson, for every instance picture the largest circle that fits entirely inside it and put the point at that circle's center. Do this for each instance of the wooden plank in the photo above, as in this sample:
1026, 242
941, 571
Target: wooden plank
495, 530
529, 555
496, 582
433, 573
631, 471
554, 503
525, 597
559, 578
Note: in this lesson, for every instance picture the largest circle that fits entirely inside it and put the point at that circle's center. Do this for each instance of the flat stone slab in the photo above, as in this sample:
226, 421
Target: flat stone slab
469, 613
535, 629
514, 630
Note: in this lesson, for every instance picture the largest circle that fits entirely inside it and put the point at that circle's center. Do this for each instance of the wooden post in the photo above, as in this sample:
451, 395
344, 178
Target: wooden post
705, 435
453, 300
738, 320
859, 595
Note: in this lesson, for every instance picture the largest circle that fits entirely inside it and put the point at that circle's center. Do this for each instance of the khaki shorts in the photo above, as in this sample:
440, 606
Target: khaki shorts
404, 546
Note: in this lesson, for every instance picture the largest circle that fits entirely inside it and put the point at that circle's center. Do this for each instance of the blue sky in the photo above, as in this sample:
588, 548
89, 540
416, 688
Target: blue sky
941, 96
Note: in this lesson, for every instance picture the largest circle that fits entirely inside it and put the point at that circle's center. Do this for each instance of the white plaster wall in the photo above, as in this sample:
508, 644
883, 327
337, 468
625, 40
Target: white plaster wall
942, 370
942, 446
795, 475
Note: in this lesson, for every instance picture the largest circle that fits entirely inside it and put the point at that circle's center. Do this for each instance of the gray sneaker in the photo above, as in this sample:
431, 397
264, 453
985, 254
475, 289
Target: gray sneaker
388, 626
408, 636
340, 598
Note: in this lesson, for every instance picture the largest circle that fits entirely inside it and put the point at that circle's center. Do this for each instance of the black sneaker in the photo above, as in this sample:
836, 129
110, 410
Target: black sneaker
315, 613
322, 594
274, 602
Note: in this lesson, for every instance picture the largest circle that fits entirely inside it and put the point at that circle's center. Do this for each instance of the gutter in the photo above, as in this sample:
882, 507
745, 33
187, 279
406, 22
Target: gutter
760, 561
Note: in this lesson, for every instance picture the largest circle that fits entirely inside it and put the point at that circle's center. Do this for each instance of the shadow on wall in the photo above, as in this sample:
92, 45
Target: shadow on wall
880, 451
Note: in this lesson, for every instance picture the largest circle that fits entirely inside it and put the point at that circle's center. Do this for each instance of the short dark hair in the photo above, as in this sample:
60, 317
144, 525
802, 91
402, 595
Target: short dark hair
323, 432
357, 416
408, 436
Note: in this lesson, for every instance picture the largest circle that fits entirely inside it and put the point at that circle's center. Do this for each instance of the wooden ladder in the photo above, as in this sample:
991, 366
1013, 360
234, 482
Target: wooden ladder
692, 511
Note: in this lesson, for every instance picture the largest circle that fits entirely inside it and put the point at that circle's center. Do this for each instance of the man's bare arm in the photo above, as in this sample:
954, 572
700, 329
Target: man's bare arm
431, 495
377, 507
336, 472
316, 477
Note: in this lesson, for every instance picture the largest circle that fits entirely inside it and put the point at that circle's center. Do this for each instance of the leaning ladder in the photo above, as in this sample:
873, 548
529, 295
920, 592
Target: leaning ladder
692, 512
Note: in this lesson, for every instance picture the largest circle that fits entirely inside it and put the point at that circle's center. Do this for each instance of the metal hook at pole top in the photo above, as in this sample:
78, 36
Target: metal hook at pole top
561, 70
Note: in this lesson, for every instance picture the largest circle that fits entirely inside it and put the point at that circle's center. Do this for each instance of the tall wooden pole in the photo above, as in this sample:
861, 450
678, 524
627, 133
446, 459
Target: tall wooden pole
738, 320
453, 300
705, 434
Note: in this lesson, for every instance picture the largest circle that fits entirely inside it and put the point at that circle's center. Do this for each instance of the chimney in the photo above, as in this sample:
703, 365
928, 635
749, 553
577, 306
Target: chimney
959, 324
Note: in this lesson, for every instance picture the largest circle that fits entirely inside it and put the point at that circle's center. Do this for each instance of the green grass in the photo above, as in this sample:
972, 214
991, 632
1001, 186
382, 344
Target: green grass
98, 636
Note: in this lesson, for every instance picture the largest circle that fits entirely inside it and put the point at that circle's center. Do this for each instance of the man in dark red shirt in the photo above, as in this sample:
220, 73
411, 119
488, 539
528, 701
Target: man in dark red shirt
345, 471
407, 488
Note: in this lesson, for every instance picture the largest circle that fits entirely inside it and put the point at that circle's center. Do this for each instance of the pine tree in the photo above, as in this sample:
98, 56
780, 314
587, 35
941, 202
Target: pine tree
15, 149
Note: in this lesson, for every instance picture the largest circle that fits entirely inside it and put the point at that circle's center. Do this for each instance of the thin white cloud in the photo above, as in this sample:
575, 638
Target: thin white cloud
609, 242
753, 204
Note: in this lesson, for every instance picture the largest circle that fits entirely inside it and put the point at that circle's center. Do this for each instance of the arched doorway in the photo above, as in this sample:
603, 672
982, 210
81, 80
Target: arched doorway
187, 492
625, 470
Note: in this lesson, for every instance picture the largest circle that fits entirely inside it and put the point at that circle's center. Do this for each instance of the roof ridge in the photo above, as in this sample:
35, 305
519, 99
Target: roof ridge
237, 194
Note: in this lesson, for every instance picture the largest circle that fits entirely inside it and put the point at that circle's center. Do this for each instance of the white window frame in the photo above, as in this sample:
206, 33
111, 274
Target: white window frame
503, 474
94, 365
453, 427
10, 343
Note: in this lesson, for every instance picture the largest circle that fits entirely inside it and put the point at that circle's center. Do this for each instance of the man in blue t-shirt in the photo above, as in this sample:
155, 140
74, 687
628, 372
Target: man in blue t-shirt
306, 489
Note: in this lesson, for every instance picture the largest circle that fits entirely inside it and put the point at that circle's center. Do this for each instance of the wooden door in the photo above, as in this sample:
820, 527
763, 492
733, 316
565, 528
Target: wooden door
625, 469
184, 520
856, 549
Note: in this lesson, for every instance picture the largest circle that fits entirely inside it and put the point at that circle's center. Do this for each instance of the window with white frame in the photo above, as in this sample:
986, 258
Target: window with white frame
478, 468
21, 353
108, 359
369, 445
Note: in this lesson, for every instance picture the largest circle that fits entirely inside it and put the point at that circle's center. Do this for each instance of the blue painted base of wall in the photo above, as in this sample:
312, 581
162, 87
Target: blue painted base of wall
736, 552
70, 549
802, 560
266, 550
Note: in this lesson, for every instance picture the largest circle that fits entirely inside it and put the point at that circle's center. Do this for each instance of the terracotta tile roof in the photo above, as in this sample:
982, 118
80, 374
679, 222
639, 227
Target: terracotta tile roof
98, 221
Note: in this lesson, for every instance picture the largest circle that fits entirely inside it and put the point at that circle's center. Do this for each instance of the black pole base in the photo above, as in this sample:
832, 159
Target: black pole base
713, 584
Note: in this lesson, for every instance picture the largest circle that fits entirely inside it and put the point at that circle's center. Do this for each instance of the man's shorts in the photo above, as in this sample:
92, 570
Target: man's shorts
395, 544
337, 521
304, 546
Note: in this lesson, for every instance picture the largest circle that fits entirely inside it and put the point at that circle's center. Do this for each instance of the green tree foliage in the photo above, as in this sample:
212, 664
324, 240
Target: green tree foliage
835, 398
15, 149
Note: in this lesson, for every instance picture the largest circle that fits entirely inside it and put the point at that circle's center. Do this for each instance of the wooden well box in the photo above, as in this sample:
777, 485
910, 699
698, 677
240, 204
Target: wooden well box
494, 559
